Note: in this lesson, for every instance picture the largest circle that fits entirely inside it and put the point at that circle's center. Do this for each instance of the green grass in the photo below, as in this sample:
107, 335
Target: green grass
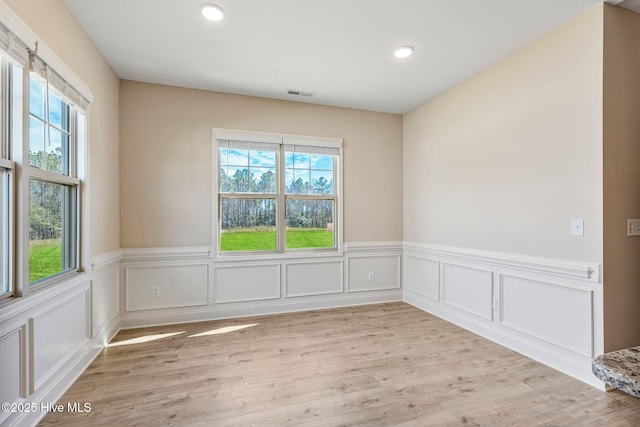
265, 239
309, 238
248, 239
45, 259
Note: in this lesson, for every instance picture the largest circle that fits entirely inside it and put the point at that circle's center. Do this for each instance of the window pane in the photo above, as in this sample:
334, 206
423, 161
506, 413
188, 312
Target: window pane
238, 157
321, 162
237, 180
243, 171
264, 180
301, 160
4, 231
225, 181
288, 160
309, 224
308, 173
58, 112
299, 183
321, 182
52, 234
248, 225
37, 155
56, 152
262, 158
36, 98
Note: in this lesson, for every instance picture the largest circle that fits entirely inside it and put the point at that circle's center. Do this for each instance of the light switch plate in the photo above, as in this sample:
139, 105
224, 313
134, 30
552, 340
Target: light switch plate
577, 227
633, 227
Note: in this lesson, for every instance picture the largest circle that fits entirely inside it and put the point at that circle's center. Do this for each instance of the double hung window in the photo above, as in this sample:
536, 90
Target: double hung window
56, 129
42, 145
277, 193
7, 173
13, 58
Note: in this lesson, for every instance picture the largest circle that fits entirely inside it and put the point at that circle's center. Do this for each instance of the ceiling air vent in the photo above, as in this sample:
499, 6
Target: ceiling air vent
299, 93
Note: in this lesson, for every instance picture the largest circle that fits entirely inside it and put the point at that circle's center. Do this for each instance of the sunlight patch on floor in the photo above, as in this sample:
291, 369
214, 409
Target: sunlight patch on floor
224, 330
144, 339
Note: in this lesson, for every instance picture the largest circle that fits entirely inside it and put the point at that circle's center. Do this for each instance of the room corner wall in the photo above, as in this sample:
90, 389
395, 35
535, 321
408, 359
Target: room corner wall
48, 338
494, 171
505, 159
166, 160
621, 177
167, 202
58, 28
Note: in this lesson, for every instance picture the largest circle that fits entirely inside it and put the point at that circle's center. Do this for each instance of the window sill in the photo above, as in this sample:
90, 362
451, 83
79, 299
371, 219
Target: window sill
54, 281
257, 256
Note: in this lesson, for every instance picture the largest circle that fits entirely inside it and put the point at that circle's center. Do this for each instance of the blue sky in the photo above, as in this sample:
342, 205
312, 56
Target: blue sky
308, 167
37, 128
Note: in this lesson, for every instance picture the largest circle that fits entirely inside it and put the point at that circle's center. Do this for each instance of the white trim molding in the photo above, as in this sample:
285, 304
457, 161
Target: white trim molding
106, 260
62, 320
585, 271
368, 247
250, 286
548, 309
166, 253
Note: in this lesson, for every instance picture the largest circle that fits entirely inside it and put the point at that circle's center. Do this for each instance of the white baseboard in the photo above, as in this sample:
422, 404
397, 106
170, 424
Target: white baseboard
549, 310
213, 289
64, 378
576, 368
250, 309
484, 292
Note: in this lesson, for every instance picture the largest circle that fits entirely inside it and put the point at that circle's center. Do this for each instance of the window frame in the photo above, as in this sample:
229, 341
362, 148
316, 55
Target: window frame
71, 243
7, 181
7, 202
281, 197
18, 60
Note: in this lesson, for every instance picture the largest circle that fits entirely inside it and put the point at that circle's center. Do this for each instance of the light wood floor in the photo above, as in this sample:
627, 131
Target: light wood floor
387, 364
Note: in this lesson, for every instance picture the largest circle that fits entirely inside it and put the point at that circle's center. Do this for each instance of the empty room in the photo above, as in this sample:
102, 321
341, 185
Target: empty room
293, 212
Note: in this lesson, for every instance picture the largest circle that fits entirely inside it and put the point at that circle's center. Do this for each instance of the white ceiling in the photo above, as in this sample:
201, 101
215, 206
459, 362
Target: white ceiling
341, 50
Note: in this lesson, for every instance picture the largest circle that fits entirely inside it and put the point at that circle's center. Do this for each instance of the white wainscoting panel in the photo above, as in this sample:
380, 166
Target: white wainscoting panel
548, 309
559, 315
104, 297
235, 283
12, 369
57, 335
314, 278
154, 285
421, 276
385, 270
468, 289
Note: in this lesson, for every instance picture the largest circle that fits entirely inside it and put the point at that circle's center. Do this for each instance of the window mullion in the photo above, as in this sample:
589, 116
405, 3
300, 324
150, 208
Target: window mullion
281, 221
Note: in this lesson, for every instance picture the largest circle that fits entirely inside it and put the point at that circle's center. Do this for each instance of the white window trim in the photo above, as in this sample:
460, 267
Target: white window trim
6, 226
21, 172
282, 139
71, 180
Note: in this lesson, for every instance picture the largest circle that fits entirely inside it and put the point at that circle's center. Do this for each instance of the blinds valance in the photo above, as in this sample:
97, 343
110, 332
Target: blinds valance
248, 145
56, 81
272, 142
13, 46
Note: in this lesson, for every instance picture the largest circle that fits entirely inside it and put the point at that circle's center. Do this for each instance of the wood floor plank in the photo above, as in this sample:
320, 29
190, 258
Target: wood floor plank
384, 364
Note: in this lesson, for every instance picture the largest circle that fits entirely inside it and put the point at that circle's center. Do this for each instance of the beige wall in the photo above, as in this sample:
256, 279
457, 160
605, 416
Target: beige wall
504, 160
52, 21
166, 161
621, 177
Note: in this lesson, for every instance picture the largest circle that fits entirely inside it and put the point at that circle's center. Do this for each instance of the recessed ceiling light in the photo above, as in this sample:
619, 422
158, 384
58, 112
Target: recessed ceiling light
403, 52
212, 12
